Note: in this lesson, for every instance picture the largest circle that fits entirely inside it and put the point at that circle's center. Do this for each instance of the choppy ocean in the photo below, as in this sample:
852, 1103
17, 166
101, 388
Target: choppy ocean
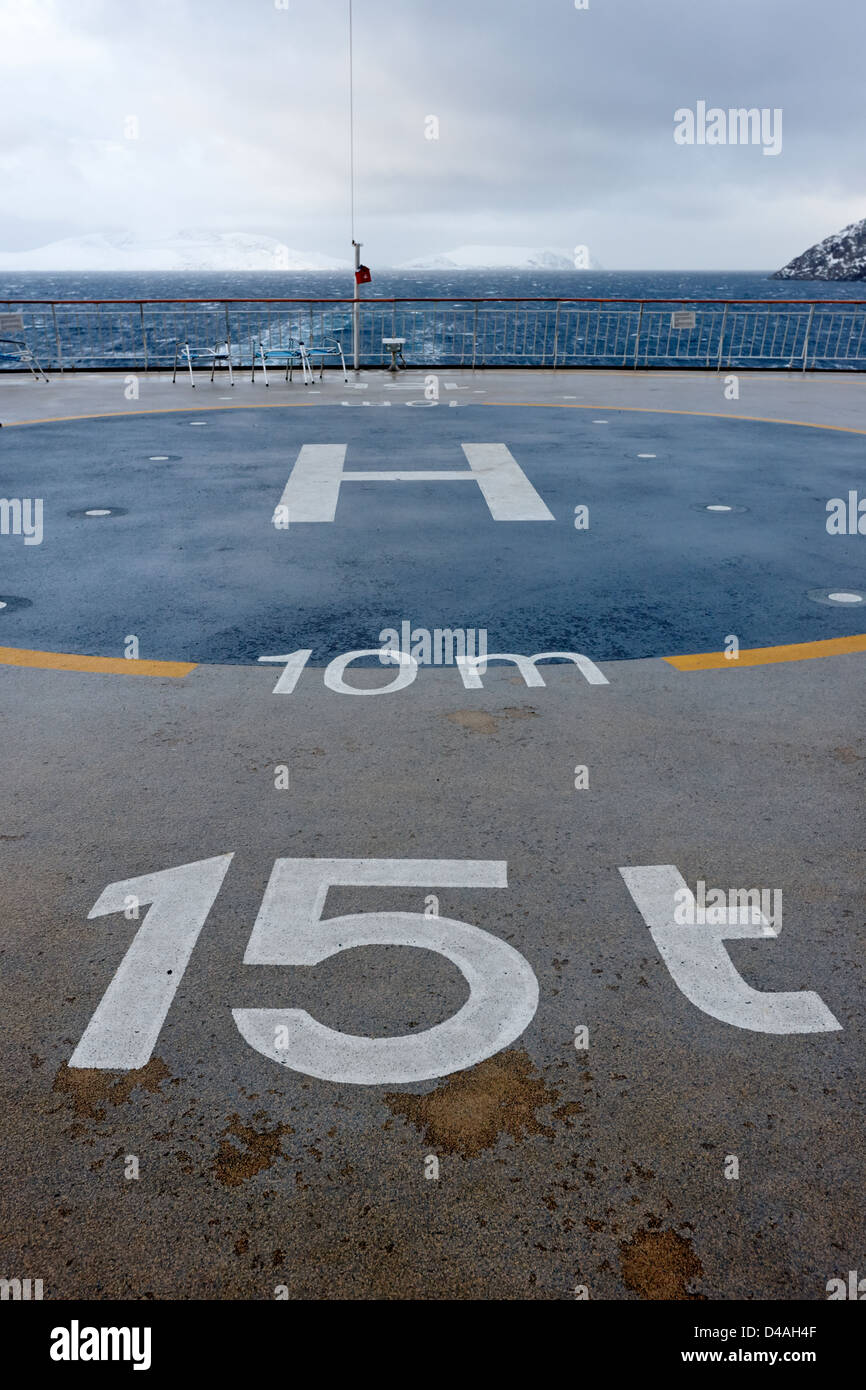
470, 284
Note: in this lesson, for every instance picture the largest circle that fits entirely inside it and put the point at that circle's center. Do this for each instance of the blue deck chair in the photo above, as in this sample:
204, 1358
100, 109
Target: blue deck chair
291, 354
215, 356
328, 347
12, 340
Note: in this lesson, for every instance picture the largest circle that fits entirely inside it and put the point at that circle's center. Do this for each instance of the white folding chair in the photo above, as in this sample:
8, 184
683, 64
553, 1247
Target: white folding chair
13, 324
291, 355
216, 356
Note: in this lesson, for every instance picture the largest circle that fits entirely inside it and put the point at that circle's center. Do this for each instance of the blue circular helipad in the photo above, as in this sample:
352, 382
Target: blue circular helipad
694, 528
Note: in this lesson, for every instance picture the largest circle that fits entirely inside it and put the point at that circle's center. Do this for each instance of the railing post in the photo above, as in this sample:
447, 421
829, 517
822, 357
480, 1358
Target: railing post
808, 331
143, 333
722, 338
556, 333
228, 331
474, 335
57, 337
637, 335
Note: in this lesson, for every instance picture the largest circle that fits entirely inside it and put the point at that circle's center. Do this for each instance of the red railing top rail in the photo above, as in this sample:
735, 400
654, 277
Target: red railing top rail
434, 299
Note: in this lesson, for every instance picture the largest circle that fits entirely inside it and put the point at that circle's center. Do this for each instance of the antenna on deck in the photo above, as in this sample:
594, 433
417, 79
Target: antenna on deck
356, 245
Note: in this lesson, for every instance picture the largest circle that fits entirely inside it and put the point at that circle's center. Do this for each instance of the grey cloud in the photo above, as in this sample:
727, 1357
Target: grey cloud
556, 124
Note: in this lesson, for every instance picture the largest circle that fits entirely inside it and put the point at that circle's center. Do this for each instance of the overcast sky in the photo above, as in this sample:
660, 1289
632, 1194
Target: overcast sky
555, 124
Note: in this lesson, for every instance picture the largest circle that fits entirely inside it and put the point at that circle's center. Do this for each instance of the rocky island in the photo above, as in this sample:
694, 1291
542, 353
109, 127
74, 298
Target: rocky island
838, 257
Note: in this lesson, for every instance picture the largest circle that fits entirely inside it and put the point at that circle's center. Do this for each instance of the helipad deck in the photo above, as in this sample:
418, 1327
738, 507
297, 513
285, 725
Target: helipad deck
626, 532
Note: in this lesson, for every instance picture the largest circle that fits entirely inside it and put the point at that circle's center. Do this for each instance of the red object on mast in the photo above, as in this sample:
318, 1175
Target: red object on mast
362, 275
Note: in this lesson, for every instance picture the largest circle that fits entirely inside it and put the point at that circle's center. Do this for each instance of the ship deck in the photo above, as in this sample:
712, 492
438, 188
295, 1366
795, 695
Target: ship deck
597, 1160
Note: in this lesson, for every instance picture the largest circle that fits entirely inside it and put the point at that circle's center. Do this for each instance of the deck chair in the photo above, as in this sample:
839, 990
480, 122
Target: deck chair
216, 356
12, 336
291, 355
328, 347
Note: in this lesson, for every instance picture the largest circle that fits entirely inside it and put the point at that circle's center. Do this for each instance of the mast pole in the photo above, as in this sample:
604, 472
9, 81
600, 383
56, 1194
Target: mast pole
356, 245
356, 309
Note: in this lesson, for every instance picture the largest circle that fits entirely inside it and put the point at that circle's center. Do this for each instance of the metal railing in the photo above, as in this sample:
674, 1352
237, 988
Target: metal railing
140, 335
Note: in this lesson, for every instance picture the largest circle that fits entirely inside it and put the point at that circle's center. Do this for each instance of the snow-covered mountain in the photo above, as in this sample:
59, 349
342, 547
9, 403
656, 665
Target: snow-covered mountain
496, 258
190, 250
838, 257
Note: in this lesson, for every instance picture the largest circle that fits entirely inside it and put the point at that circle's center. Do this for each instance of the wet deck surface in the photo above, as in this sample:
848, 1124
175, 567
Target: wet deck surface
602, 1166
